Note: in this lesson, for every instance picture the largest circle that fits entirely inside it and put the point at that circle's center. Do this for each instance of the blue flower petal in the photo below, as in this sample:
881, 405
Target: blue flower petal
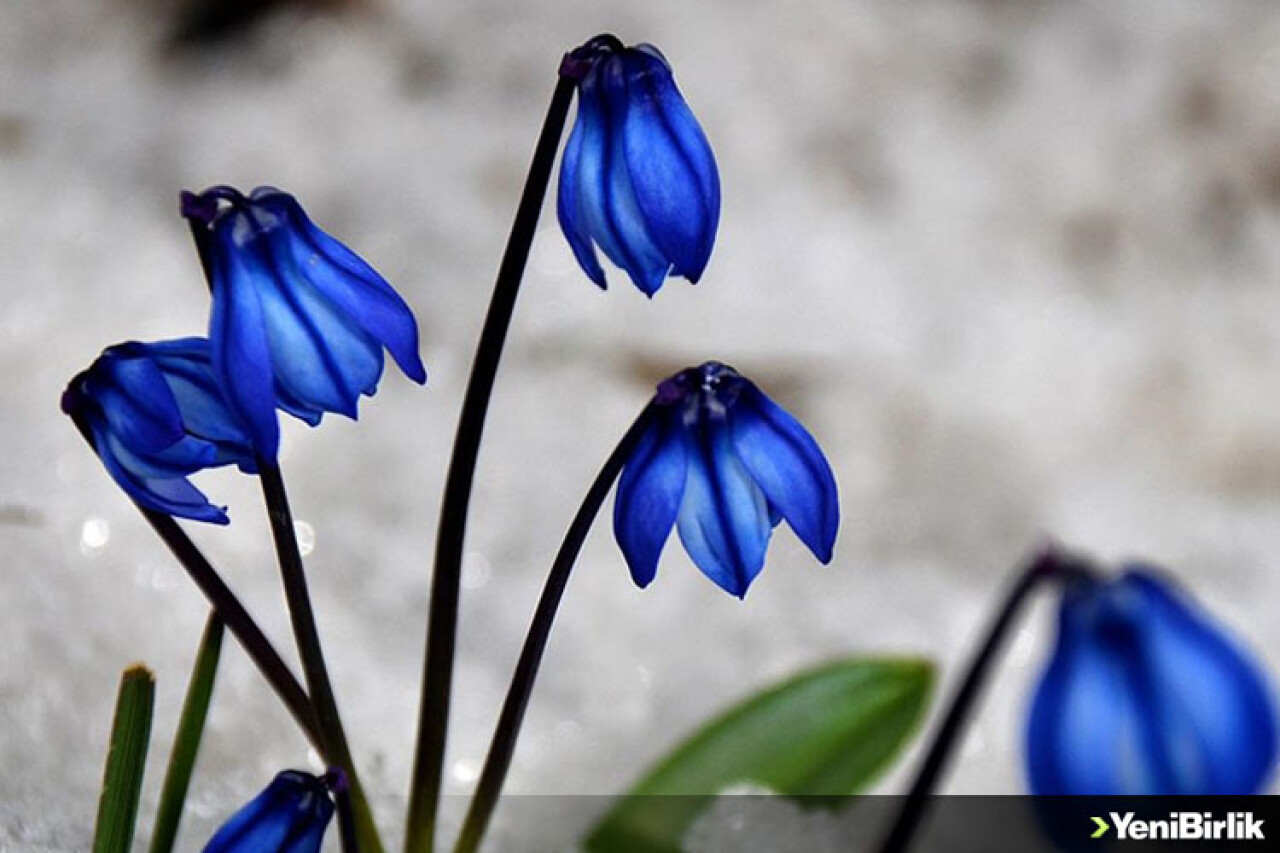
238, 342
568, 204
169, 494
788, 466
1213, 697
649, 494
607, 198
357, 291
670, 163
185, 456
289, 816
188, 370
1145, 695
319, 358
724, 517
1085, 733
132, 393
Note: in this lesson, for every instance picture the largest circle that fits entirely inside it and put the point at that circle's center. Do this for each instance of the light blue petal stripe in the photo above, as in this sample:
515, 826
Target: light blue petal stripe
724, 518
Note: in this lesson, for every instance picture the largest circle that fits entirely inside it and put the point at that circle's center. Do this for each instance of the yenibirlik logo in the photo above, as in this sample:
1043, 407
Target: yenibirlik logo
1183, 826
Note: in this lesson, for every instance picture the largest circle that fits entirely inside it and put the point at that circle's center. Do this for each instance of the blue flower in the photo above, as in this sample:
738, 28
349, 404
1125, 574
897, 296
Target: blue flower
638, 177
1146, 694
155, 415
724, 464
299, 321
289, 816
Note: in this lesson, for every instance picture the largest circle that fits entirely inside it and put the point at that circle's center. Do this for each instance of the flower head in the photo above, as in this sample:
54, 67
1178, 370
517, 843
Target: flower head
638, 177
1146, 694
299, 321
724, 464
289, 816
155, 415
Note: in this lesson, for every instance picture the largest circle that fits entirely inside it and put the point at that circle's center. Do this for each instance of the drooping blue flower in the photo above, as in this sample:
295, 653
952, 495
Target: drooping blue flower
638, 178
1146, 694
299, 321
156, 415
289, 816
724, 464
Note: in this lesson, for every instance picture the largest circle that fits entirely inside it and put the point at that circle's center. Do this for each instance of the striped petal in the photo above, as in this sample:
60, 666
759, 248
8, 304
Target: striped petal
290, 816
788, 466
649, 494
238, 343
357, 292
568, 201
670, 163
724, 518
1146, 695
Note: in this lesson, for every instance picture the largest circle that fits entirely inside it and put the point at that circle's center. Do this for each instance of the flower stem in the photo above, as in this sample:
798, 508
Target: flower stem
442, 619
501, 749
239, 623
1050, 563
336, 750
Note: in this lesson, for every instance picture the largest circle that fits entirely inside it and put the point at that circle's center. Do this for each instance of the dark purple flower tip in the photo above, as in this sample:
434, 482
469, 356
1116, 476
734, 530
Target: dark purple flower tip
579, 61
299, 321
1145, 693
723, 464
202, 208
335, 779
638, 179
156, 415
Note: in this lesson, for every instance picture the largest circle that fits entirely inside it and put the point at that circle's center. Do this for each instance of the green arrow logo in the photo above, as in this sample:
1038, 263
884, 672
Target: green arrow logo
1102, 828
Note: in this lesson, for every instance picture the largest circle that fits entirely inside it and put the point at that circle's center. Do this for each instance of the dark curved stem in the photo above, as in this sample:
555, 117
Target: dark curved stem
1051, 563
233, 614
239, 623
442, 619
496, 764
302, 617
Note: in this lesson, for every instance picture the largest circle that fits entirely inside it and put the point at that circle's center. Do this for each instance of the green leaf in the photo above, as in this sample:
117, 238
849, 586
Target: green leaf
827, 731
186, 743
126, 760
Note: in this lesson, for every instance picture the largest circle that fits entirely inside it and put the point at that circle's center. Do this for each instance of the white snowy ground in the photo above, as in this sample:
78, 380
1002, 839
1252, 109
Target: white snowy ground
1017, 265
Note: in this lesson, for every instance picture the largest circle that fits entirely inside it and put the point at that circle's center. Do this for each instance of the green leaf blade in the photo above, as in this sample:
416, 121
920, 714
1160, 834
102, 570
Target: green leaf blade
126, 761
186, 742
828, 731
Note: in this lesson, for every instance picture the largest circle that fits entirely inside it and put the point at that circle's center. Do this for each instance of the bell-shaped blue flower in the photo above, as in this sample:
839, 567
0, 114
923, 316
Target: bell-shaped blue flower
156, 415
299, 321
1146, 694
289, 816
638, 177
724, 464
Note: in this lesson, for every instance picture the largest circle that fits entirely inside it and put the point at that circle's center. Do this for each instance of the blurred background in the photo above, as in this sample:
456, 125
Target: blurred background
1013, 263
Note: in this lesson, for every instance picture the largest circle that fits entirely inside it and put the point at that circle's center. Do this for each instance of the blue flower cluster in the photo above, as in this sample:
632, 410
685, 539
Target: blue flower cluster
298, 323
1144, 693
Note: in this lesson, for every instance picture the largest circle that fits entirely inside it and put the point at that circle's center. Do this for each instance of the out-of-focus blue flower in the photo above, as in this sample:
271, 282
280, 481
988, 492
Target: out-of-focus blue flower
724, 464
290, 816
638, 177
156, 415
299, 321
1146, 694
